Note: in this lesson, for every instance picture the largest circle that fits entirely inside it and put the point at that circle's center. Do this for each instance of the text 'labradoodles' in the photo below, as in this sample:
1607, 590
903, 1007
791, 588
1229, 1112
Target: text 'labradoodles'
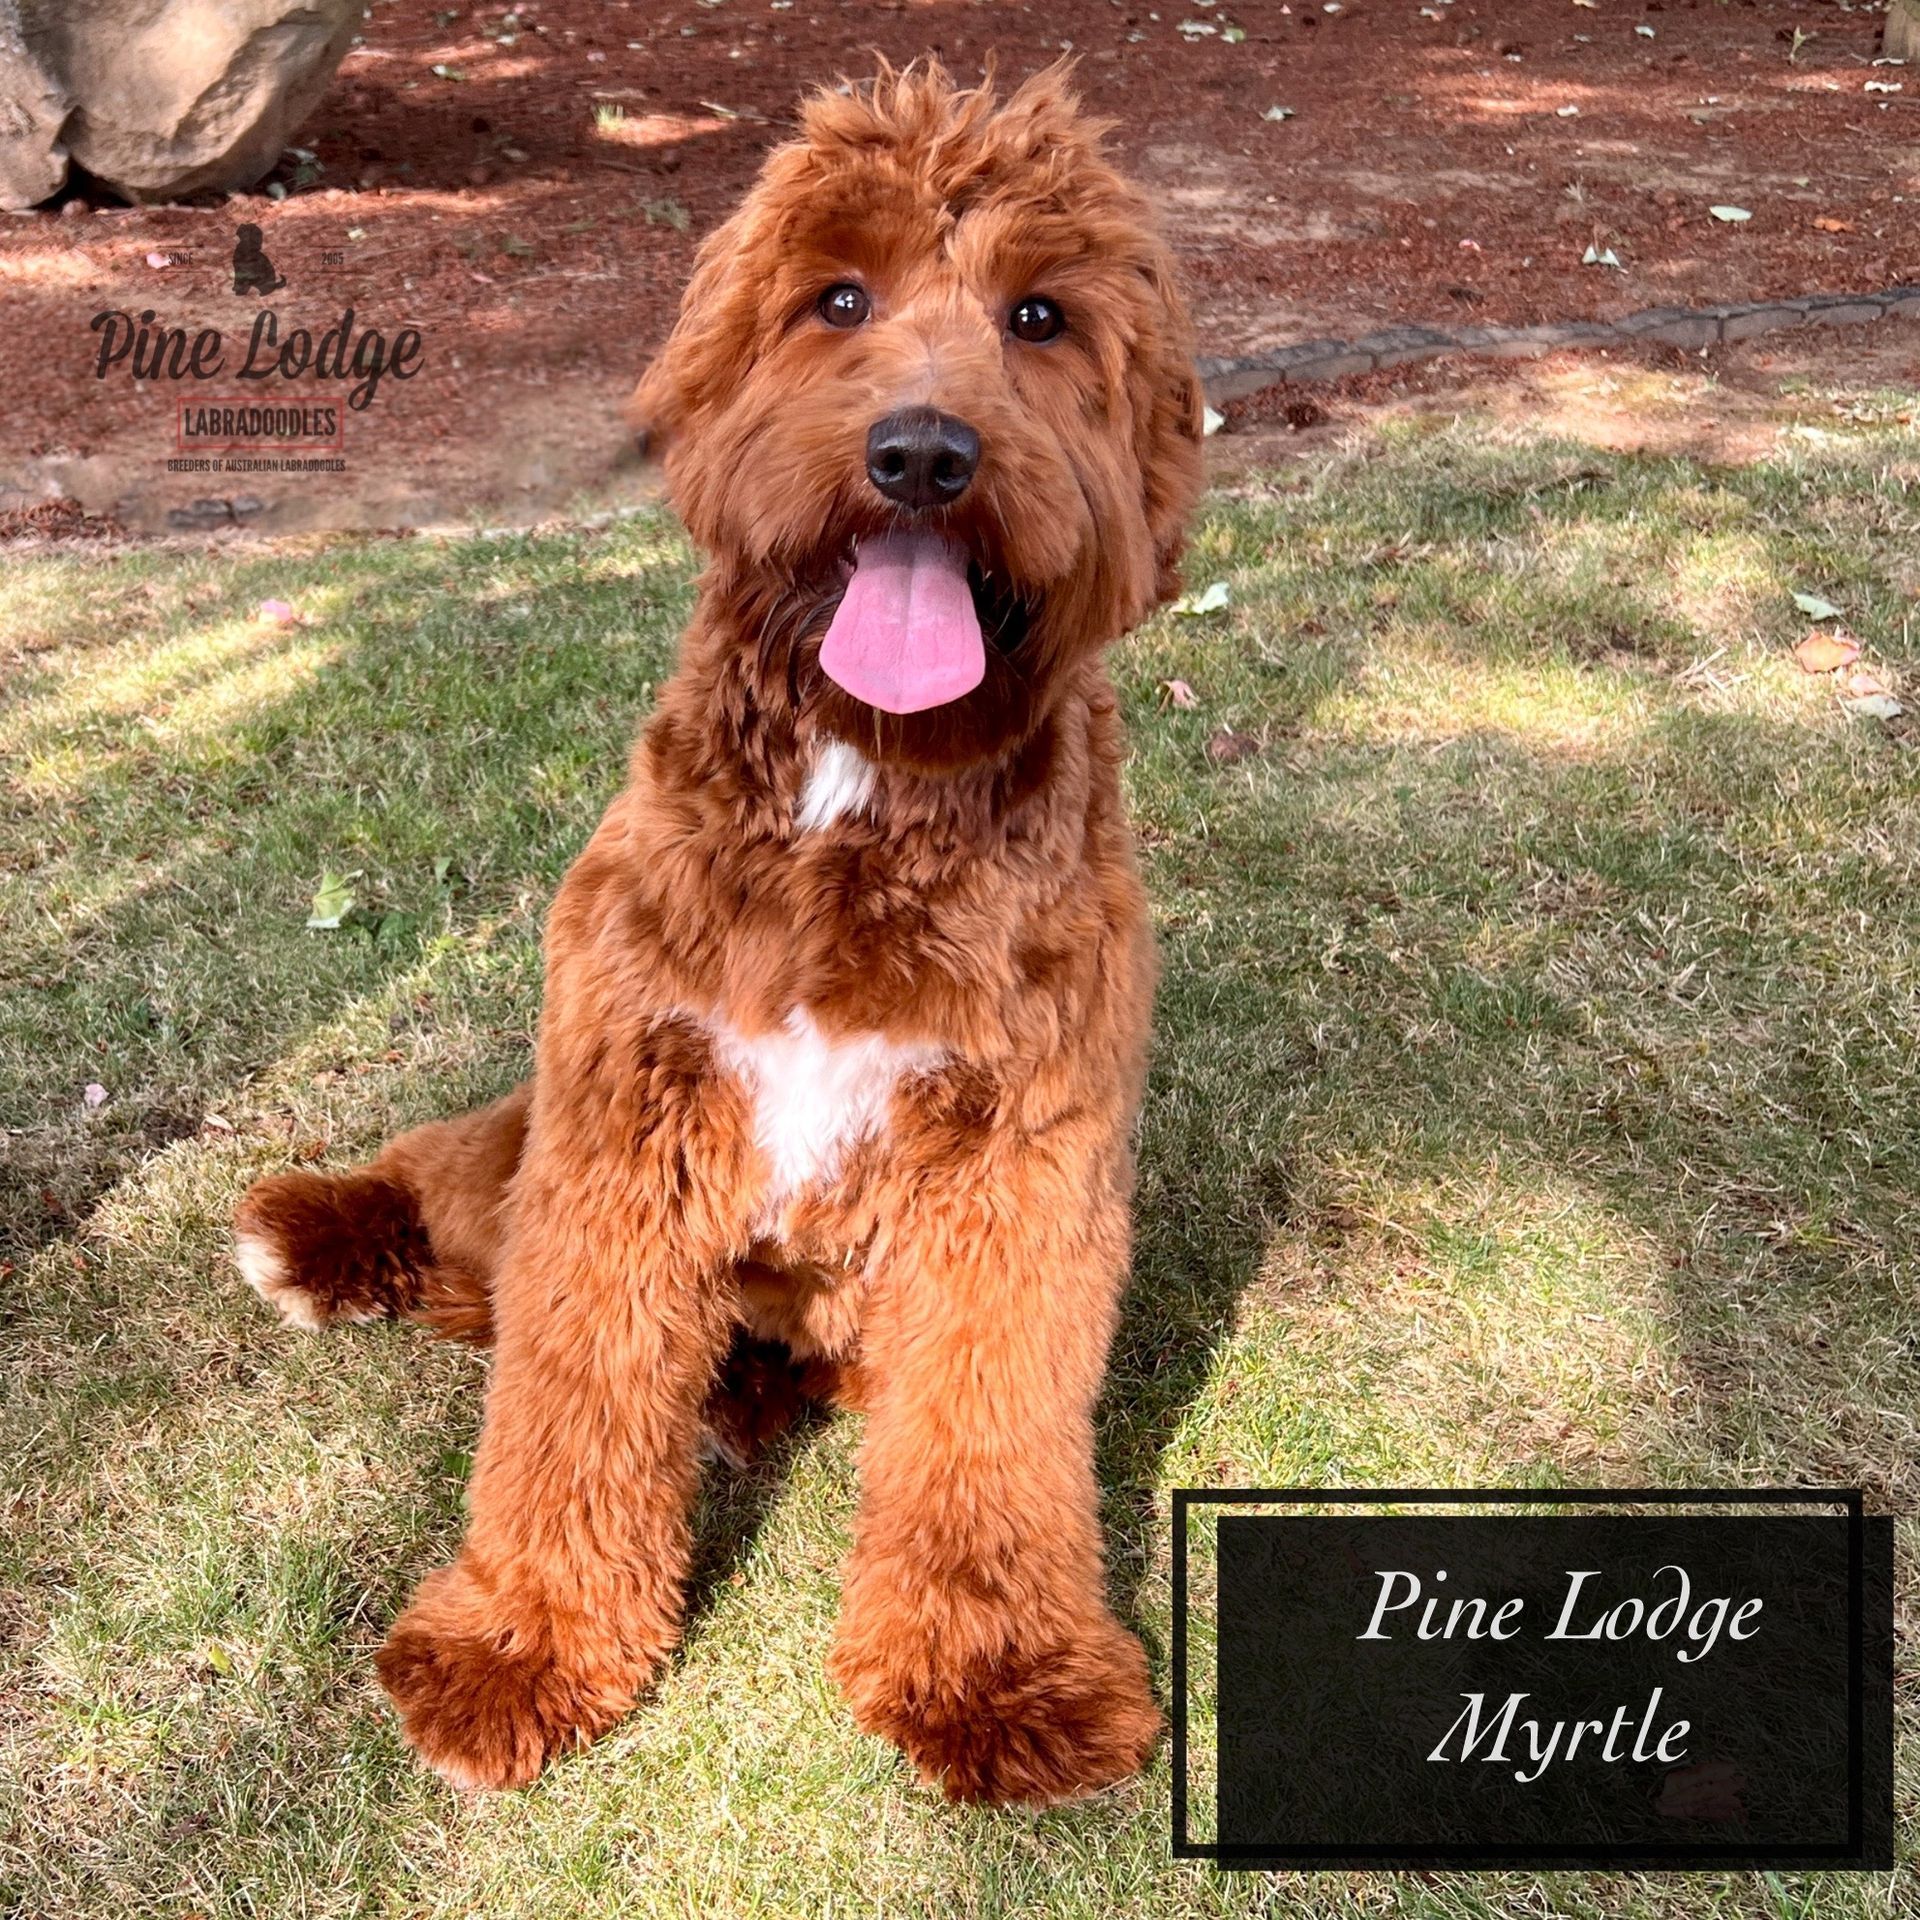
847, 998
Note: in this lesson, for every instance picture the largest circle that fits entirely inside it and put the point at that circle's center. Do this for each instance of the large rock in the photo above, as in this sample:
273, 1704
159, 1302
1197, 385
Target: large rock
33, 109
187, 96
1902, 33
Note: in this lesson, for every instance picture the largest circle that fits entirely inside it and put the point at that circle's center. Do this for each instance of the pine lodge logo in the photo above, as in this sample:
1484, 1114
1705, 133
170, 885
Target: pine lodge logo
286, 392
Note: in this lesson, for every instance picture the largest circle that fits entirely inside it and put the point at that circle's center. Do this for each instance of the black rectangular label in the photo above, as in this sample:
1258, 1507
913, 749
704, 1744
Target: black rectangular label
1615, 1689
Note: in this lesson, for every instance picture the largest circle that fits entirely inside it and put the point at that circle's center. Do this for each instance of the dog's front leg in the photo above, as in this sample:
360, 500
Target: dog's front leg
974, 1626
611, 1316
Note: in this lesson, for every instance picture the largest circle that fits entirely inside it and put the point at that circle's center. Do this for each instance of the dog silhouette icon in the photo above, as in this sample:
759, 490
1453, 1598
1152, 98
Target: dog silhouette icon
252, 270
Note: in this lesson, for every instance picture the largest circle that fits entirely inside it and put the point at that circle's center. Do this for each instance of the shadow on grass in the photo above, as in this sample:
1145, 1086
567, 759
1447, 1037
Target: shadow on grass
1663, 966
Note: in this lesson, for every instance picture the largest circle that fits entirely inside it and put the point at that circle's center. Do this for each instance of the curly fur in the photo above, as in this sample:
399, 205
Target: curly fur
850, 1068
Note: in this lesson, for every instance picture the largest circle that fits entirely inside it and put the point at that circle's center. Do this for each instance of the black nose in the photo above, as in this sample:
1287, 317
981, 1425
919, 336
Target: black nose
921, 458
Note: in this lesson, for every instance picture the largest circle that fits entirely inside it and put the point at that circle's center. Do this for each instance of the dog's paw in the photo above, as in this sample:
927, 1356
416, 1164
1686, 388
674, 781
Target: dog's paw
1035, 1728
485, 1706
321, 1248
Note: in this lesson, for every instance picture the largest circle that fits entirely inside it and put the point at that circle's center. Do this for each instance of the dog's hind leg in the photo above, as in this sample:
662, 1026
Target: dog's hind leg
416, 1233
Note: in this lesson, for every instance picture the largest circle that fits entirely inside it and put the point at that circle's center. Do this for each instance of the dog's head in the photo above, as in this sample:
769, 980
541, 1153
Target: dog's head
930, 402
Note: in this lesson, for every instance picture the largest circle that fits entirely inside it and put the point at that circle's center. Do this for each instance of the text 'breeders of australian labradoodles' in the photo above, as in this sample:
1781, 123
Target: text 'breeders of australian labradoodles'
847, 997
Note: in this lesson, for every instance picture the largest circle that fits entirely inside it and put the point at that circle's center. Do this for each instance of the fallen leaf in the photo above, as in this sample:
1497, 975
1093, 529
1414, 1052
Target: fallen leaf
1734, 214
93, 1096
218, 1122
1827, 225
441, 71
1227, 748
1233, 35
1179, 694
1601, 257
331, 903
278, 613
1826, 652
1884, 86
1205, 600
1645, 33
1212, 422
1565, 113
159, 259
1816, 608
1279, 113
1865, 683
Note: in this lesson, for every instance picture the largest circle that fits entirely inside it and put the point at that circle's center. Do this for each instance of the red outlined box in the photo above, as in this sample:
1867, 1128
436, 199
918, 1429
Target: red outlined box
262, 415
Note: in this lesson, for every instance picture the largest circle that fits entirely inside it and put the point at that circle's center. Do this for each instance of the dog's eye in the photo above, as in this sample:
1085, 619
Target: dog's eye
845, 305
1035, 320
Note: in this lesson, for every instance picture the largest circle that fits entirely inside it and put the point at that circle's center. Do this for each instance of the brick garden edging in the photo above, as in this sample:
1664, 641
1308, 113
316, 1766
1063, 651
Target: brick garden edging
1232, 378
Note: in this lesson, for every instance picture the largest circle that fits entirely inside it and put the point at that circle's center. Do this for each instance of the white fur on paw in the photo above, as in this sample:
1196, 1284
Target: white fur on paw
263, 1266
462, 1778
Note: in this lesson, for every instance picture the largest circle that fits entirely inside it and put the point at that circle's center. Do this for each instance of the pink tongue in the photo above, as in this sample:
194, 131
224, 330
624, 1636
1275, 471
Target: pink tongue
906, 635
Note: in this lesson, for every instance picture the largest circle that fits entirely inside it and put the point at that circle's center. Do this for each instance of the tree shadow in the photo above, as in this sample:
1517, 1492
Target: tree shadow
1778, 1193
1626, 993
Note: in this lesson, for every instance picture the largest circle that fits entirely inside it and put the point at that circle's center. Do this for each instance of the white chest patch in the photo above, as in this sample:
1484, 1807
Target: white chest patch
840, 781
814, 1098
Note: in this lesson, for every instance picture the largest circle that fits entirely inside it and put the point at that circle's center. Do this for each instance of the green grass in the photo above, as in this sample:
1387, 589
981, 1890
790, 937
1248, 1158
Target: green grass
1536, 1101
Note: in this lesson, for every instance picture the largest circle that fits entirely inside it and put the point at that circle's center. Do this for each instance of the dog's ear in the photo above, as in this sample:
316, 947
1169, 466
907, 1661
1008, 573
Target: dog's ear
710, 341
1171, 411
651, 406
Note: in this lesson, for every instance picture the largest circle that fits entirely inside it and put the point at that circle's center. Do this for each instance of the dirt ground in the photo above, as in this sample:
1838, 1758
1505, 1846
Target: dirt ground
525, 188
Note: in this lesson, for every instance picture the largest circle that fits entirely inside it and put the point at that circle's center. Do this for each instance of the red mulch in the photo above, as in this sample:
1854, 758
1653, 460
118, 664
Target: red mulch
1428, 173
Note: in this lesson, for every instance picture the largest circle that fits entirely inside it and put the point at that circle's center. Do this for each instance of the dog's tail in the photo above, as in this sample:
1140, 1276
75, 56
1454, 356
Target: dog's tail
415, 1235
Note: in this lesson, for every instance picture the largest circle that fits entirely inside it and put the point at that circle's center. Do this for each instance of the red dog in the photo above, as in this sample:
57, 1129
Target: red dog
847, 998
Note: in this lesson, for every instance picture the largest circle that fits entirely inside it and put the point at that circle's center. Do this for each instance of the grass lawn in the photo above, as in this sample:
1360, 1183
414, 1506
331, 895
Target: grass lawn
1536, 1101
